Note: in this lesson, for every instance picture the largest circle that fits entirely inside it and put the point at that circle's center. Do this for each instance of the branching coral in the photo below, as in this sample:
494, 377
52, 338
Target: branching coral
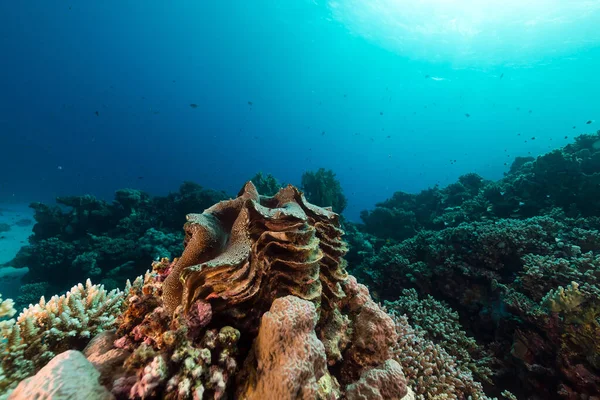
564, 299
431, 372
51, 327
7, 308
440, 324
323, 189
266, 184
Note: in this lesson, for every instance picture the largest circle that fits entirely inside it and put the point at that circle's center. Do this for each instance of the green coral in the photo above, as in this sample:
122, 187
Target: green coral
266, 184
564, 299
323, 189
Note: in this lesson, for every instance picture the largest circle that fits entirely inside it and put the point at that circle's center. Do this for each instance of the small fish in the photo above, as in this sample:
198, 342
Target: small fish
533, 138
574, 126
490, 208
467, 115
323, 133
140, 177
530, 111
521, 204
380, 112
426, 76
59, 167
589, 122
97, 113
250, 103
502, 75
502, 193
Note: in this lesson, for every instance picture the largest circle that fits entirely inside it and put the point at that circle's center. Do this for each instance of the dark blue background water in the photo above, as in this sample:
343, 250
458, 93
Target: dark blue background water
322, 96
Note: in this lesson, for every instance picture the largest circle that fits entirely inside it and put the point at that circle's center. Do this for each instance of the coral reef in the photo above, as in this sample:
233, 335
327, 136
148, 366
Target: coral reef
50, 327
565, 179
257, 306
529, 289
323, 189
517, 259
108, 242
260, 292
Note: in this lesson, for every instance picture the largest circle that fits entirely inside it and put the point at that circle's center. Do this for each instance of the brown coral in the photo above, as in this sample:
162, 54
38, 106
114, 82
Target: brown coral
243, 253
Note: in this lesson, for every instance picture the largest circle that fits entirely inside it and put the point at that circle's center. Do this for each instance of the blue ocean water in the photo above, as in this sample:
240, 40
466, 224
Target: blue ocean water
390, 95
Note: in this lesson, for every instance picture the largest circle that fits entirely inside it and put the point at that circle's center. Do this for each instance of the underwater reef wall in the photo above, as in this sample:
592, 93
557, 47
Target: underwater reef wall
518, 259
83, 237
258, 306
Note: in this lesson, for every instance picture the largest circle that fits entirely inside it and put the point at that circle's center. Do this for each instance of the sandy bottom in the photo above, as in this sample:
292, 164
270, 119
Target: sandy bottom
15, 215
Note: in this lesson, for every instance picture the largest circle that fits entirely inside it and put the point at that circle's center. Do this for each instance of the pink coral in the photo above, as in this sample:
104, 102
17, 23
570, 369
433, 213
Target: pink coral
385, 382
288, 358
373, 332
68, 376
198, 317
